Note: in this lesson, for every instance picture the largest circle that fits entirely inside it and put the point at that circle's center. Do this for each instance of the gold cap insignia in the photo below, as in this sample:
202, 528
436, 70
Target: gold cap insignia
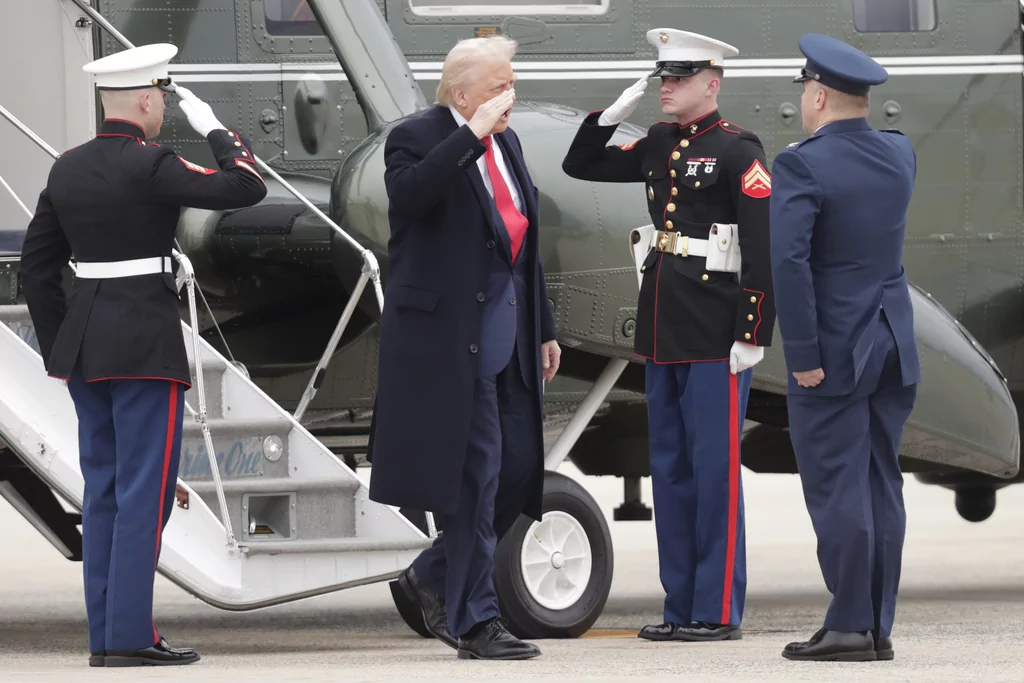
663, 36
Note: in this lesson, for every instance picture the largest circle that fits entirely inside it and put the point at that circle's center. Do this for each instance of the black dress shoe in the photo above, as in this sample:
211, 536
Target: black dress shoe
160, 654
834, 646
883, 648
700, 631
96, 658
667, 631
491, 640
435, 615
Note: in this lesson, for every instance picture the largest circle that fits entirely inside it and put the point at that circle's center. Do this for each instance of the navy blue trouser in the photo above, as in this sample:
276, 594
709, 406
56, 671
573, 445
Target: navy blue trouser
847, 451
695, 422
129, 435
496, 483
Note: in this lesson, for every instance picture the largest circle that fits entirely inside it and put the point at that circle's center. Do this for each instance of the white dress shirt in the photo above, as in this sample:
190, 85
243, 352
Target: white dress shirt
499, 160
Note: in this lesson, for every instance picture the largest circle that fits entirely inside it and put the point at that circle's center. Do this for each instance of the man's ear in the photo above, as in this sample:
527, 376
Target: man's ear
144, 102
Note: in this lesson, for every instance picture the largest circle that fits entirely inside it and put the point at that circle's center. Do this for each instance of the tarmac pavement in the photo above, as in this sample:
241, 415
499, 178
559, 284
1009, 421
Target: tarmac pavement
959, 615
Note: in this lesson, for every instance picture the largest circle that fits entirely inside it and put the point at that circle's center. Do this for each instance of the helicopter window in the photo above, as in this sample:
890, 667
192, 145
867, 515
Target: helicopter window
518, 7
290, 18
894, 15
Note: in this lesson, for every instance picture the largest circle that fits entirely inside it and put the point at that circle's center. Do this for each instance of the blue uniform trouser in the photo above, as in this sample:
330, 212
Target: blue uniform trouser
129, 435
846, 451
496, 483
695, 421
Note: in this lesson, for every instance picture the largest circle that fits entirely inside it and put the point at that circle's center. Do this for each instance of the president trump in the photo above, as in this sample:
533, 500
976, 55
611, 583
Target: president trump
467, 336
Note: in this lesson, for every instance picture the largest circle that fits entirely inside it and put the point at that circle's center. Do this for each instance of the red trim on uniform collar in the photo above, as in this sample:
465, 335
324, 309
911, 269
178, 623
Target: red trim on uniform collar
118, 127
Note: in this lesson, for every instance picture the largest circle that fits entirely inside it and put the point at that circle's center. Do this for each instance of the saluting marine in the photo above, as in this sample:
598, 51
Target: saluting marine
114, 203
704, 316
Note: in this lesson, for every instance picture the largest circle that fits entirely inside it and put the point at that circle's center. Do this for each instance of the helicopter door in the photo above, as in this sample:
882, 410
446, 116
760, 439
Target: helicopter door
319, 120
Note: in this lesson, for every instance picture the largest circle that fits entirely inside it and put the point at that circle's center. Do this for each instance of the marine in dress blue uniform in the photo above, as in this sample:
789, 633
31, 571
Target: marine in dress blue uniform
700, 327
838, 211
113, 204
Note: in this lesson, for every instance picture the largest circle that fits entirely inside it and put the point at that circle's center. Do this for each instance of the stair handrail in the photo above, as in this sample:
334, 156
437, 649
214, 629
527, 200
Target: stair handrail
190, 282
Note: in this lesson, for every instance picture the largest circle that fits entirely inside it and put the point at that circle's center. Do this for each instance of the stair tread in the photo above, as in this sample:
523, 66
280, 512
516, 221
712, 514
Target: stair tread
275, 424
272, 485
332, 545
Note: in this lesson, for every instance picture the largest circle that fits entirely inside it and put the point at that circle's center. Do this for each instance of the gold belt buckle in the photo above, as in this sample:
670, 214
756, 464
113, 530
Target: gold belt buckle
667, 241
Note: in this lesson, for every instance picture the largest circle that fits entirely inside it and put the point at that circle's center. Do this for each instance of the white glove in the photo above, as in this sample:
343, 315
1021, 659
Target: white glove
743, 356
199, 113
624, 106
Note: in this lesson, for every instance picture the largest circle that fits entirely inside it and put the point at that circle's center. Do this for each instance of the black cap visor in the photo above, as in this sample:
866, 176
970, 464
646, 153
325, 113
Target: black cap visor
678, 69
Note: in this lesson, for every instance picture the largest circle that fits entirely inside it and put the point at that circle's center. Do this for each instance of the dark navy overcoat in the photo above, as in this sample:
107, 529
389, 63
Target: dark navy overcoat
439, 256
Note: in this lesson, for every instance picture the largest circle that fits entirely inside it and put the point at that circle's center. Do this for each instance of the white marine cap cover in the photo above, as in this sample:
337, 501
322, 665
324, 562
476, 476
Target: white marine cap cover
139, 67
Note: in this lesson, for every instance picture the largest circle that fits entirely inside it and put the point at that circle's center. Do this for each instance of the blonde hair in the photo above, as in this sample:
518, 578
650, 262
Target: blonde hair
466, 54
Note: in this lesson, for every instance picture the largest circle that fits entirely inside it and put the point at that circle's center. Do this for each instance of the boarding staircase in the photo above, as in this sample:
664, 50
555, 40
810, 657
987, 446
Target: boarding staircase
298, 520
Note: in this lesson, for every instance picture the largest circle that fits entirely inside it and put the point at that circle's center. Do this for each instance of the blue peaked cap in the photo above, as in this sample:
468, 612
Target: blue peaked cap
839, 65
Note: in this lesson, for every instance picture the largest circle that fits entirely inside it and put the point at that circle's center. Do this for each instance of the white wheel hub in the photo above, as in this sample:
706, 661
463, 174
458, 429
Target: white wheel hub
556, 560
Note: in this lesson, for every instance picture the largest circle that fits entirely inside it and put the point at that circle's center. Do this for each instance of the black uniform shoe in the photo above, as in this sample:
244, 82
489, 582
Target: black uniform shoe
834, 646
160, 654
883, 649
667, 631
491, 640
435, 616
96, 658
705, 631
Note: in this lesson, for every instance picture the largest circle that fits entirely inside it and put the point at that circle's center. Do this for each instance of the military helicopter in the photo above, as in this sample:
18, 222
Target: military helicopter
319, 83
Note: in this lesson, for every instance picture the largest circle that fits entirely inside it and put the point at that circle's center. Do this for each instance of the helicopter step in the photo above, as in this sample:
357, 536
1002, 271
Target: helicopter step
299, 521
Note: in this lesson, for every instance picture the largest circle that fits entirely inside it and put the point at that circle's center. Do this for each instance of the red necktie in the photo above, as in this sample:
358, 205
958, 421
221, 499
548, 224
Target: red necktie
515, 222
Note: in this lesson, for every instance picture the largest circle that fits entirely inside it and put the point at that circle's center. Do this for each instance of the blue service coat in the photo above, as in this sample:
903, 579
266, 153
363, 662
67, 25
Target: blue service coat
838, 218
440, 258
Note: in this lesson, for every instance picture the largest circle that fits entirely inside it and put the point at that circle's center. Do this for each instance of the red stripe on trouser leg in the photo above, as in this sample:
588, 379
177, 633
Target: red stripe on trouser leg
734, 493
172, 414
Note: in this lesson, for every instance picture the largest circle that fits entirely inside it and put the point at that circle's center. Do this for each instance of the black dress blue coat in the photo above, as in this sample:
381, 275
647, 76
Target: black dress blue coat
439, 256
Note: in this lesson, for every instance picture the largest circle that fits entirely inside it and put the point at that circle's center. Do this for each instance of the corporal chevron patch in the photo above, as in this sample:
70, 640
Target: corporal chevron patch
196, 167
757, 182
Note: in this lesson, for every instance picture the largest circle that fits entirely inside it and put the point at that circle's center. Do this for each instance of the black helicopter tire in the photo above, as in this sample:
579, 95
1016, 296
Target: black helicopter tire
534, 609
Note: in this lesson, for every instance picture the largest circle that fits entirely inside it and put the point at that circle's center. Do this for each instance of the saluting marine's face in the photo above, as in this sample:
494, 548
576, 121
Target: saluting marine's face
154, 106
681, 96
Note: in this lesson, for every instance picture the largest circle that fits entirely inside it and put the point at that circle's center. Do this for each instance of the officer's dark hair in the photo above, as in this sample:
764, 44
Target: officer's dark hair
715, 71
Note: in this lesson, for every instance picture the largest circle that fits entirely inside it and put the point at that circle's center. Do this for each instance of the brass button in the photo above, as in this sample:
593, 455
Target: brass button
675, 154
750, 317
237, 143
650, 173
673, 173
693, 128
668, 224
725, 241
746, 336
479, 296
671, 206
244, 153
697, 184
473, 348
704, 277
643, 268
675, 191
753, 299
684, 143
725, 123
230, 134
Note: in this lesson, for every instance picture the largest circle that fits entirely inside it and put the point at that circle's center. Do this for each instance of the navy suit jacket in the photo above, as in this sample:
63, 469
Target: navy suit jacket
838, 217
446, 318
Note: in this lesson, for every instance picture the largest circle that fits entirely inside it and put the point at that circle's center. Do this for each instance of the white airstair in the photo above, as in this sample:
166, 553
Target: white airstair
267, 513
303, 524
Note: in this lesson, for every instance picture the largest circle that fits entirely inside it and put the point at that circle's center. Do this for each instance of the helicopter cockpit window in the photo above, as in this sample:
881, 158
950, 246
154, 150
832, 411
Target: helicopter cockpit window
290, 18
450, 8
894, 15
